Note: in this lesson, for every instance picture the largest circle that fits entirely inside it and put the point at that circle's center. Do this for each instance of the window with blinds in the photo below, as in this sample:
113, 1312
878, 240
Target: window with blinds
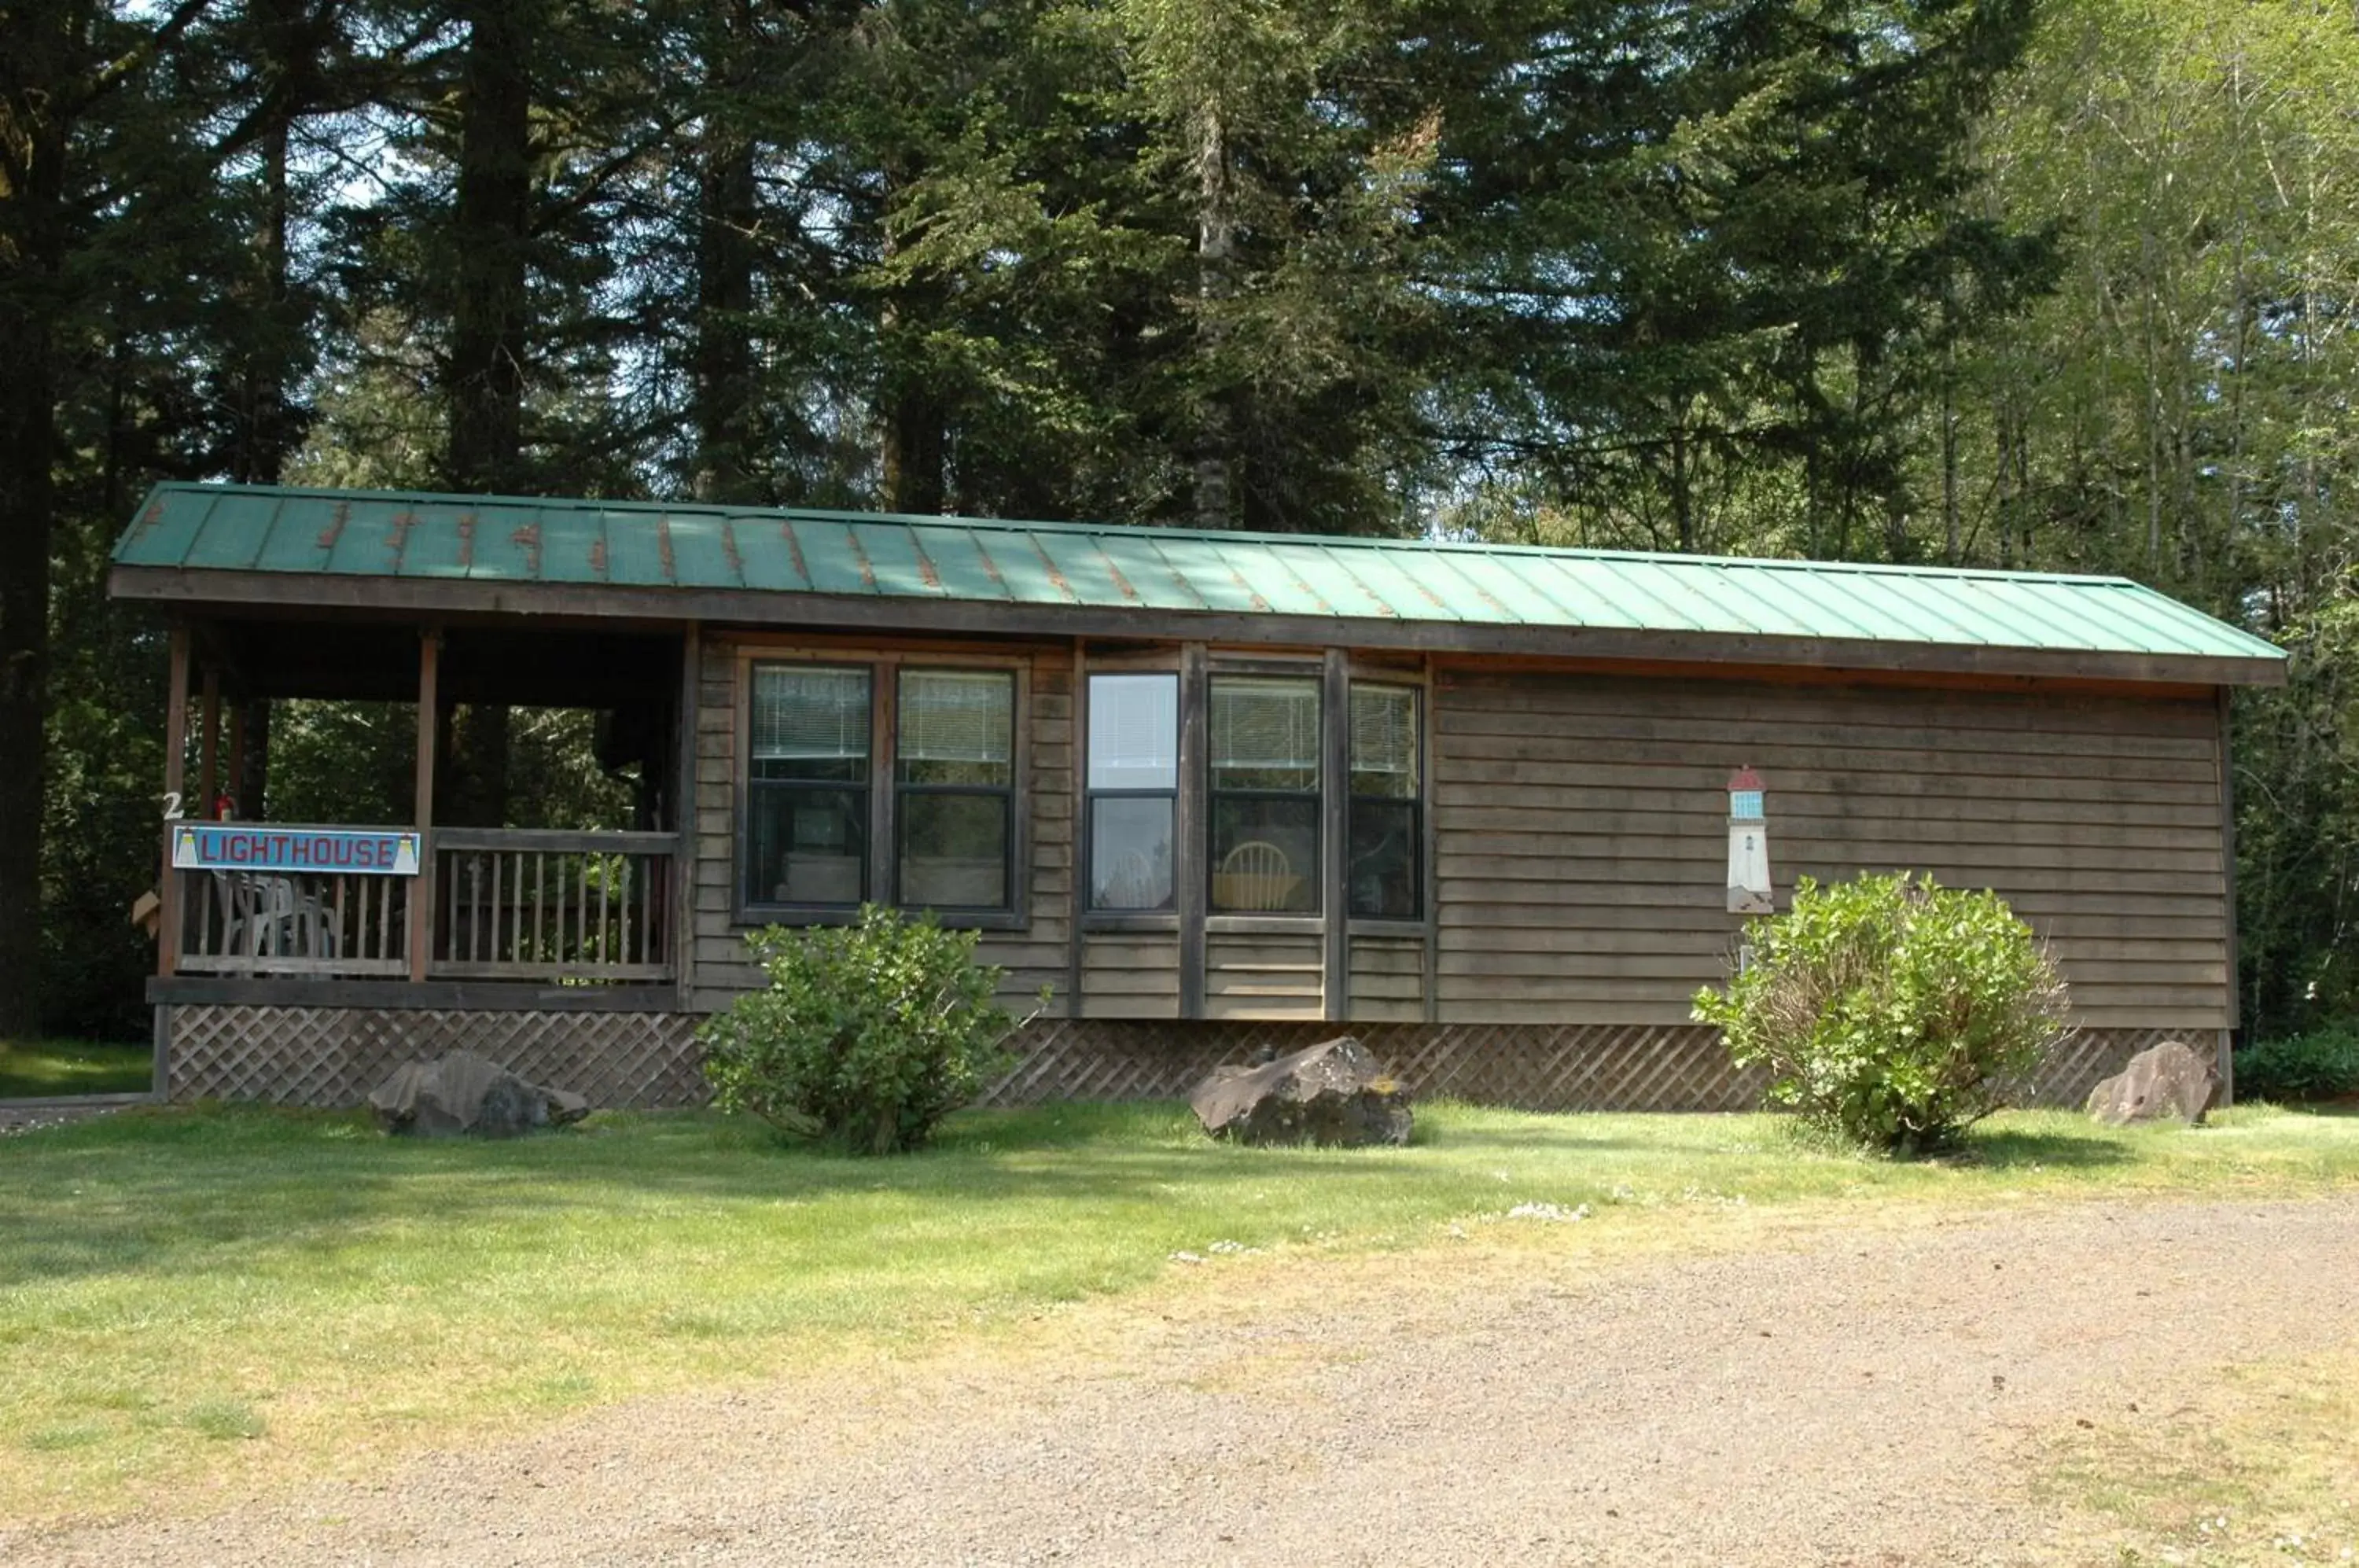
1384, 873
1264, 767
954, 748
1133, 732
811, 722
807, 786
1264, 733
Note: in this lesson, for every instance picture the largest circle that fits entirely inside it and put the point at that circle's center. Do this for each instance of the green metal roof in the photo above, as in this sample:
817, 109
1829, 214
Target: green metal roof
833, 556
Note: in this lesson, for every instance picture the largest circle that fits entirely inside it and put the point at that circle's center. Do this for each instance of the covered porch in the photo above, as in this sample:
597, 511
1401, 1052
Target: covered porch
448, 903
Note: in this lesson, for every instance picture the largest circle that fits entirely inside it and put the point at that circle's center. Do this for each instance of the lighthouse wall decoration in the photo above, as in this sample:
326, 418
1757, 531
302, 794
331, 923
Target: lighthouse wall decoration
1748, 846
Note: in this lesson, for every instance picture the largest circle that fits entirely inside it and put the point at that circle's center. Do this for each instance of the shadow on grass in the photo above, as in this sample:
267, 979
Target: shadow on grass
168, 1190
2004, 1148
213, 1190
49, 1068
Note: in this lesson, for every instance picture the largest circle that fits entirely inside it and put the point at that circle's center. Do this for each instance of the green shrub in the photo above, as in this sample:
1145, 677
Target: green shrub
2321, 1065
866, 1036
1891, 1012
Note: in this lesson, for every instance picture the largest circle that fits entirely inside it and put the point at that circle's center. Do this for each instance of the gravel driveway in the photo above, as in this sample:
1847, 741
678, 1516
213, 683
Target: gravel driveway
1826, 1395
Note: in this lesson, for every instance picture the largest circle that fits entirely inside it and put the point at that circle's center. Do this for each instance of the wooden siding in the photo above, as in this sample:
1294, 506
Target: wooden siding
1265, 976
1035, 954
1582, 848
1130, 975
1388, 984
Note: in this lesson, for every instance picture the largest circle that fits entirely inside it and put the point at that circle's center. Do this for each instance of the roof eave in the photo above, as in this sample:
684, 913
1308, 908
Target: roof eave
219, 589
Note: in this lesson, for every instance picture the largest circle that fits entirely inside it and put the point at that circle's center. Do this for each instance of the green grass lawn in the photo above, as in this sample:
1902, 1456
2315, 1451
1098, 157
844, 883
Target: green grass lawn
37, 1068
200, 1299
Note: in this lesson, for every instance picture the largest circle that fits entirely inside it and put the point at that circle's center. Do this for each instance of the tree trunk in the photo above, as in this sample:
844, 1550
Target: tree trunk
727, 213
1216, 245
260, 453
914, 416
1682, 488
489, 330
35, 68
476, 762
913, 448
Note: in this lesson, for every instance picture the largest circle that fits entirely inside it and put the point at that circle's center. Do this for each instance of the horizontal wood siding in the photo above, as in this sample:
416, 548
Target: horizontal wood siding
1037, 955
723, 966
1130, 975
1581, 853
1263, 976
1387, 982
1033, 956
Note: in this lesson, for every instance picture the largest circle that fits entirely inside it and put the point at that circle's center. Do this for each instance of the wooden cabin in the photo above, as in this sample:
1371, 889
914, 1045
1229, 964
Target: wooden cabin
1499, 810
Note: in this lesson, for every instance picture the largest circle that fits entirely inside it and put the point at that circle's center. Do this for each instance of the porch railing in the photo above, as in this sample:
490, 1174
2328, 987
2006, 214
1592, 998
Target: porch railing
506, 904
589, 908
292, 922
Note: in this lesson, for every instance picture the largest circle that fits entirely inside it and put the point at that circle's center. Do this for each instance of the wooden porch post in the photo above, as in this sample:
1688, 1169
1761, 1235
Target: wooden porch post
2225, 1059
1078, 902
176, 771
421, 887
1335, 828
1195, 880
684, 817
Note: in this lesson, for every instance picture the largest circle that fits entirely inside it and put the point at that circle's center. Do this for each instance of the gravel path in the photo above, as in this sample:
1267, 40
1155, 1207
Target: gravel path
1823, 1395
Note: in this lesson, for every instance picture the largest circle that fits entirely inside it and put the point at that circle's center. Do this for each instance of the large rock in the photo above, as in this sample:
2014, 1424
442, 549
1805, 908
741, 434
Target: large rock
2171, 1079
463, 1093
1332, 1094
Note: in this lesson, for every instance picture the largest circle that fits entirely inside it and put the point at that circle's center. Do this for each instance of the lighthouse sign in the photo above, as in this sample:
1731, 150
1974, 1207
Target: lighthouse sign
260, 846
1748, 846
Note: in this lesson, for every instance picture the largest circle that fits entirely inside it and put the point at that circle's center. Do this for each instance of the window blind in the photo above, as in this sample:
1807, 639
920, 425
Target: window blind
1265, 724
956, 716
1133, 732
1384, 731
807, 713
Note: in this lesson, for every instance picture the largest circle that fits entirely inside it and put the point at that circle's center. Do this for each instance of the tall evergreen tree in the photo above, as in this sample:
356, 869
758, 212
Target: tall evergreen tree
79, 88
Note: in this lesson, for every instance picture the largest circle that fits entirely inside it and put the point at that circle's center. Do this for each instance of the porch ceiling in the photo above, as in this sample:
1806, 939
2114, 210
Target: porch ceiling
365, 661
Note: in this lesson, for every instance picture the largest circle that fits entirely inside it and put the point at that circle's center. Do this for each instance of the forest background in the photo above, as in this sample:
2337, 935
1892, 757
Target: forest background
2058, 284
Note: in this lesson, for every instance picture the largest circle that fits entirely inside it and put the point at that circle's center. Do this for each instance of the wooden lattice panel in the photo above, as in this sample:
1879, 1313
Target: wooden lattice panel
2088, 1055
334, 1056
1568, 1067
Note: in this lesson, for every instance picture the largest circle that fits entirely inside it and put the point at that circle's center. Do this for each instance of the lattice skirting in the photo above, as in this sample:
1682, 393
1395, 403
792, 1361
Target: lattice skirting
1570, 1067
334, 1056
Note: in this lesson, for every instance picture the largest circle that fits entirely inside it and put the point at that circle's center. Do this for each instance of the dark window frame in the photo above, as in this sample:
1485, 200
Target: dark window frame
804, 911
1113, 916
1414, 803
1315, 797
880, 867
897, 851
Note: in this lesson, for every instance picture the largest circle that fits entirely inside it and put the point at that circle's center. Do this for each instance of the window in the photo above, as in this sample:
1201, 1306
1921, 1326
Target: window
1134, 786
1264, 794
1384, 873
955, 778
807, 786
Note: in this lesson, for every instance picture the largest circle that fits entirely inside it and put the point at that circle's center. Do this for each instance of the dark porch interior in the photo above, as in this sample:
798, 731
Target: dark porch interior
499, 894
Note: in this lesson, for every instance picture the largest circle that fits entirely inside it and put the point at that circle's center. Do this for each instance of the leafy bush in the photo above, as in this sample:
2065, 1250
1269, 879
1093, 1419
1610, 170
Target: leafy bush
1891, 1012
866, 1036
2321, 1065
